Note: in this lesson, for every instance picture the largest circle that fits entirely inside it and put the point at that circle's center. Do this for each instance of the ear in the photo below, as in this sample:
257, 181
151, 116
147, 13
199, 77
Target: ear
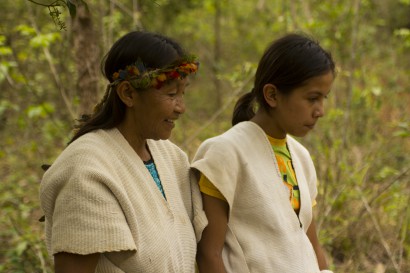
126, 93
270, 93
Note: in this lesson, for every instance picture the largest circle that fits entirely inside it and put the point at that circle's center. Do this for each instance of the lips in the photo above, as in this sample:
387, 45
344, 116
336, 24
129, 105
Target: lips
170, 122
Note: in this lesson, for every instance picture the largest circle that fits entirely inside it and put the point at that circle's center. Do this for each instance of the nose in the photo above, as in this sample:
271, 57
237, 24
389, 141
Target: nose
180, 105
319, 111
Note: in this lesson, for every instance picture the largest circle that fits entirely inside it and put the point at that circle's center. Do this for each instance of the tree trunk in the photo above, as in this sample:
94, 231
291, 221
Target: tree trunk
87, 57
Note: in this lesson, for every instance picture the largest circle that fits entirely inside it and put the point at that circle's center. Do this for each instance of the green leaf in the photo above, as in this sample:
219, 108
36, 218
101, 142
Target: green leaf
40, 111
21, 247
386, 172
5, 50
4, 69
403, 130
5, 105
44, 40
25, 30
377, 91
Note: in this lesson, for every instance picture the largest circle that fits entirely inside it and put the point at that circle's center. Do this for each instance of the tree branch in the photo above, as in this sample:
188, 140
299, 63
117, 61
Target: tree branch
378, 229
53, 4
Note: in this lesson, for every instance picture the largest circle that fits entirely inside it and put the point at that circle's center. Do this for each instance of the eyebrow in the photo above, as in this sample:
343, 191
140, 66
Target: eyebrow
314, 93
318, 93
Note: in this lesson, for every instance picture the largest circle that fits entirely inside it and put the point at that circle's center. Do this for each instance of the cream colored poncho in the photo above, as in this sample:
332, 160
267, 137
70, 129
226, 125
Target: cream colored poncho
99, 197
264, 233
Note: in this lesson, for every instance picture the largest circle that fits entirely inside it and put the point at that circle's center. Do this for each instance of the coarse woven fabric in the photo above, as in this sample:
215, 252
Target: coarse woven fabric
98, 197
264, 233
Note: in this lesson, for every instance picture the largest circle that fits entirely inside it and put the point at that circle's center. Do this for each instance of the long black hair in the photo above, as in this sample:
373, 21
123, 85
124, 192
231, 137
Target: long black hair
287, 63
154, 50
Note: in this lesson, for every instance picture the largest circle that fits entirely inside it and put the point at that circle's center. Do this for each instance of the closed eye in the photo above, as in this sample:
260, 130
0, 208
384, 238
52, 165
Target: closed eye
317, 98
313, 99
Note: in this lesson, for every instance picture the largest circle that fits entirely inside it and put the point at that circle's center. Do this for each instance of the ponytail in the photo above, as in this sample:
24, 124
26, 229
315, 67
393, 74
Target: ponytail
243, 110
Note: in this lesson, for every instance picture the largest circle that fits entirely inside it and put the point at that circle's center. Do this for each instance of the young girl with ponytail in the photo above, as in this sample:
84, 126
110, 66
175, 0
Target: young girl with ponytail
258, 183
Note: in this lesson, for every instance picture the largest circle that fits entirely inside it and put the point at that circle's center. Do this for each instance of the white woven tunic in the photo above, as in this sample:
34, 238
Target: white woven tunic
264, 233
99, 197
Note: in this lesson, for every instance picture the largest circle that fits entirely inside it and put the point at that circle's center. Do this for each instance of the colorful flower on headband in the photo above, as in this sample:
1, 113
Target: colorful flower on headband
142, 77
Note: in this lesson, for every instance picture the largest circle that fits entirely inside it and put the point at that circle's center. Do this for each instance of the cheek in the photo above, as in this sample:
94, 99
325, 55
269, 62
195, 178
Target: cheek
165, 107
297, 113
294, 109
170, 104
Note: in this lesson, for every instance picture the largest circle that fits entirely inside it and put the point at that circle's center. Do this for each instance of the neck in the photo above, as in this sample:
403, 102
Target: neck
268, 124
138, 144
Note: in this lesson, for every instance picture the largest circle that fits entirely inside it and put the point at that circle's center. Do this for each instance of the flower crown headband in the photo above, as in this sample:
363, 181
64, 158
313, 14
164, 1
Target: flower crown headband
142, 77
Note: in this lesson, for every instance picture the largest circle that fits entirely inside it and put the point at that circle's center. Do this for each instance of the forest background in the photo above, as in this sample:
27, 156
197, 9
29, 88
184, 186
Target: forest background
49, 75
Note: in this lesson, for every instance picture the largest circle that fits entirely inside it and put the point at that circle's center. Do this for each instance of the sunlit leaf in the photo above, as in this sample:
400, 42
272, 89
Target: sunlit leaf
40, 111
25, 30
376, 91
44, 40
386, 172
21, 247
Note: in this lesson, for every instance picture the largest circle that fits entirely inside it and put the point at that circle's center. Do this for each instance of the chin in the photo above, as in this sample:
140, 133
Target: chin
161, 136
299, 134
165, 137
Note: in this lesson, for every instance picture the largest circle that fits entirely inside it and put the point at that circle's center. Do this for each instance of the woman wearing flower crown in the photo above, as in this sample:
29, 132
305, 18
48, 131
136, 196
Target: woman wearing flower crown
118, 198
258, 183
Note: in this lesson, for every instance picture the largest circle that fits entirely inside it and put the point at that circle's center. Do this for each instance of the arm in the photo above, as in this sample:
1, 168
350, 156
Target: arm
312, 235
74, 263
209, 257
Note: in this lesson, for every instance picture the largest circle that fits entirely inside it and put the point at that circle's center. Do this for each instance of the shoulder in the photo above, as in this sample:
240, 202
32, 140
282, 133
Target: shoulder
168, 151
88, 152
85, 159
217, 145
244, 131
241, 137
167, 144
301, 156
93, 145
